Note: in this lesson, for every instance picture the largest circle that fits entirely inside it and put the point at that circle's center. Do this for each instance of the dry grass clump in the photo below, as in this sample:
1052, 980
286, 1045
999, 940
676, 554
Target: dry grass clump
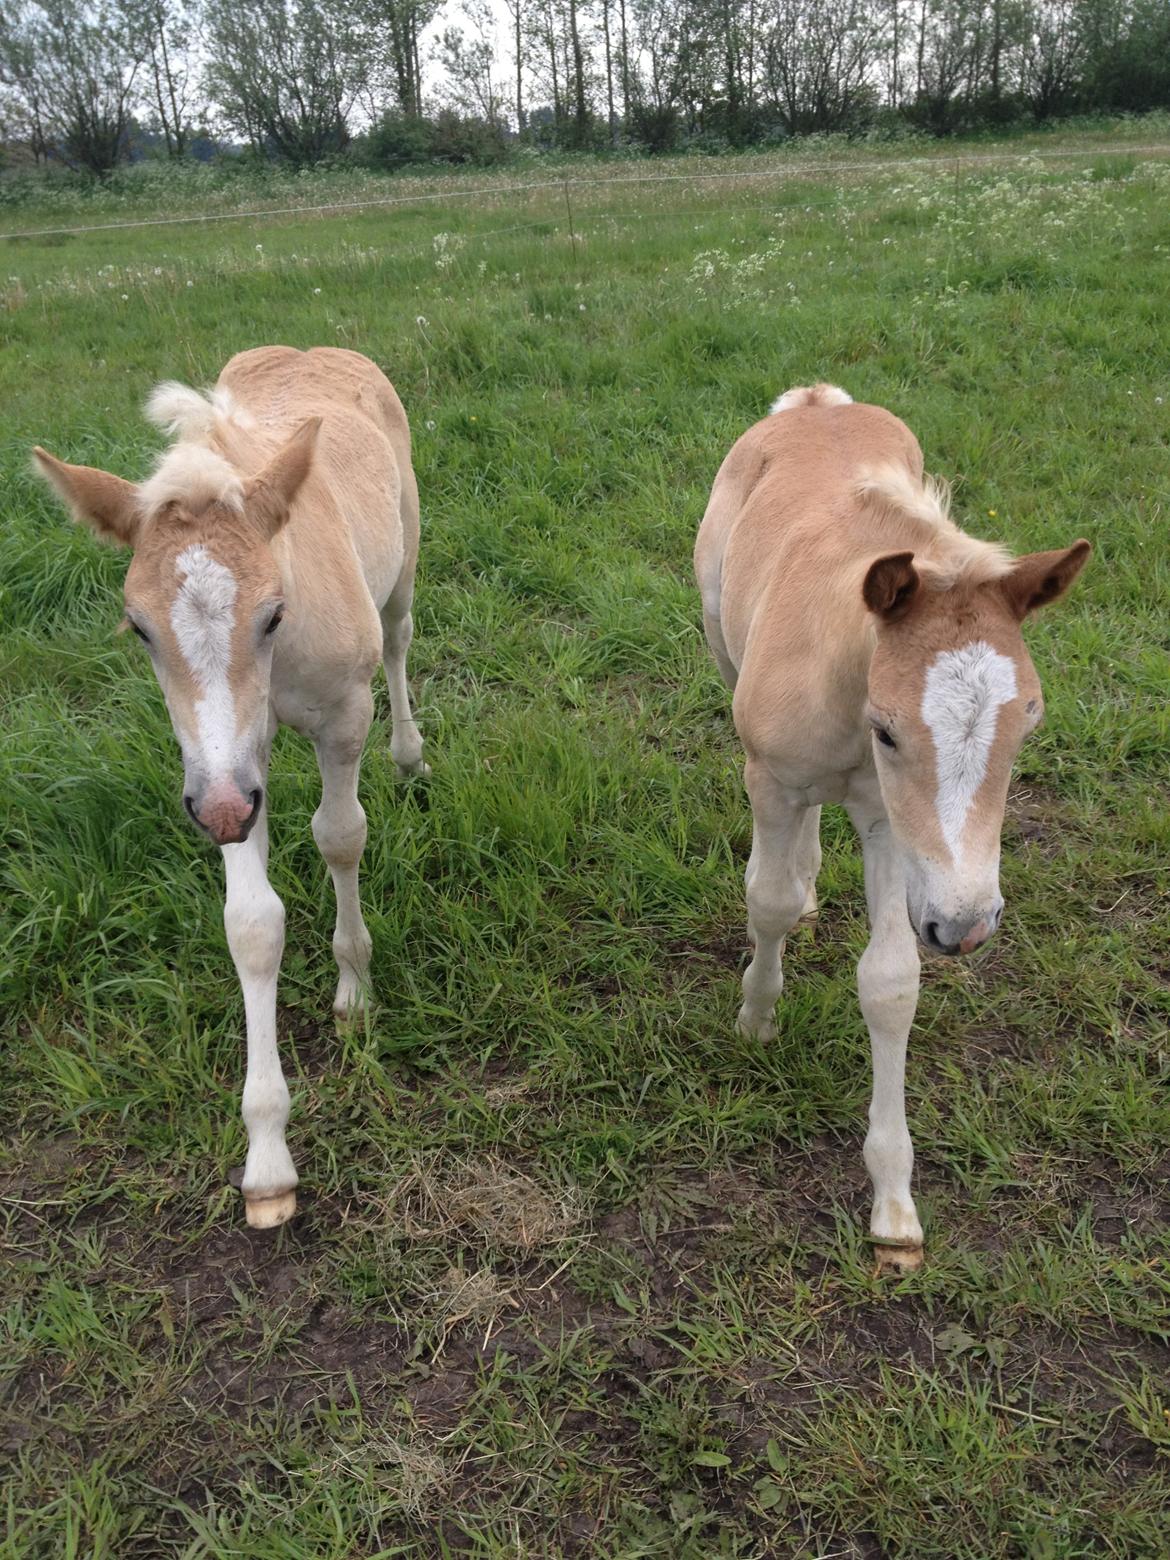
417, 1477
485, 1199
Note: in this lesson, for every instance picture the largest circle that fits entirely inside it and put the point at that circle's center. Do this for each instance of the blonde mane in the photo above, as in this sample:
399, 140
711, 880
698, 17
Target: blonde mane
896, 499
192, 472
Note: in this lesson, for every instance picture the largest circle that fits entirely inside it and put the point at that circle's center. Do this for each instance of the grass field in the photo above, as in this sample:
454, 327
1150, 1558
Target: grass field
576, 1270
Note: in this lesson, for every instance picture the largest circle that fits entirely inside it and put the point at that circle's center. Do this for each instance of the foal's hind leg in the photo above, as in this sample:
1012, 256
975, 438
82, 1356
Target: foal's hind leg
778, 886
809, 861
339, 827
406, 744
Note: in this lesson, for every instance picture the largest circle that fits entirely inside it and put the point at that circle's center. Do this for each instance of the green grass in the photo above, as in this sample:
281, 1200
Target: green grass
576, 1270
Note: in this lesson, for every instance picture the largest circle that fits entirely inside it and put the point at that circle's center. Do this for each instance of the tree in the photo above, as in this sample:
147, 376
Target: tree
819, 58
71, 69
286, 73
167, 27
468, 65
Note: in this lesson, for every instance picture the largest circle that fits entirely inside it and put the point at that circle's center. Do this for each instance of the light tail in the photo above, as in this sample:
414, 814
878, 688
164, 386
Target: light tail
811, 395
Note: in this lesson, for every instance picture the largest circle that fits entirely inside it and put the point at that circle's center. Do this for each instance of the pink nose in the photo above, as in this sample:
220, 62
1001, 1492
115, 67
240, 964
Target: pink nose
975, 938
225, 813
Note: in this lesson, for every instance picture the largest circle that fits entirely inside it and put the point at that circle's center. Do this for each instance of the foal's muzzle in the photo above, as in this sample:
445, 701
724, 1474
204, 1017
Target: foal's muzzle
954, 937
227, 815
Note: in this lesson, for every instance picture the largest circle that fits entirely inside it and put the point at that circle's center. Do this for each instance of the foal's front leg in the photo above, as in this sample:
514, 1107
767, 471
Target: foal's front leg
254, 920
339, 827
887, 983
778, 889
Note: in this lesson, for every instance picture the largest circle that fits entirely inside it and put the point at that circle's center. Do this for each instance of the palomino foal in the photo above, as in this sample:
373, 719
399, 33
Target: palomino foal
274, 557
876, 660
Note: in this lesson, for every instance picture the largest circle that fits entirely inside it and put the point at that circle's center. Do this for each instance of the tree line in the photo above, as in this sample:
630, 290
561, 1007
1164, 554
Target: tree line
89, 83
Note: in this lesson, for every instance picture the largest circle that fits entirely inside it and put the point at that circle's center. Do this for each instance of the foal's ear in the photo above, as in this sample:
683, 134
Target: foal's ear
891, 585
268, 497
1039, 578
107, 504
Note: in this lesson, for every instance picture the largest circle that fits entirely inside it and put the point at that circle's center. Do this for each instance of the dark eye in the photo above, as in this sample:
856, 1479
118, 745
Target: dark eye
884, 737
275, 621
141, 632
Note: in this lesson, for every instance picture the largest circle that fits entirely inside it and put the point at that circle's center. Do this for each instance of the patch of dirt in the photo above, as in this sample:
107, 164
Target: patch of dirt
1038, 817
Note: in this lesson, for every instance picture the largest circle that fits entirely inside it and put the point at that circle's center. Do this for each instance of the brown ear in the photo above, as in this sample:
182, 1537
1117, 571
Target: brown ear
107, 504
1039, 578
268, 497
891, 585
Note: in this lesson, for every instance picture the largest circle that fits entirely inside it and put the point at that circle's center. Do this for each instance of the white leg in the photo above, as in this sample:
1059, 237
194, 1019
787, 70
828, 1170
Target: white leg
406, 743
254, 920
887, 982
809, 861
339, 827
776, 895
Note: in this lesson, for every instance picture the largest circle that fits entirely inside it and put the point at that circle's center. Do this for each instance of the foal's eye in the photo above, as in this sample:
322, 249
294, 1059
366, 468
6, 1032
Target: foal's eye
884, 737
141, 632
274, 622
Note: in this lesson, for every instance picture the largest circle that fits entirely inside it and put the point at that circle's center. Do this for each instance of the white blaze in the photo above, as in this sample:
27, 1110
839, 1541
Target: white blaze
960, 706
203, 616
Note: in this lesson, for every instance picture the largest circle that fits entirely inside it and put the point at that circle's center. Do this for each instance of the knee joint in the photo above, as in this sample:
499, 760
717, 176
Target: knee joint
399, 633
255, 933
340, 836
775, 907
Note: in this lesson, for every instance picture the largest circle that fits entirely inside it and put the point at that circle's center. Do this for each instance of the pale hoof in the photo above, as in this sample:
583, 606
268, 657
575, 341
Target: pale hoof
410, 762
755, 1028
265, 1213
349, 1008
896, 1260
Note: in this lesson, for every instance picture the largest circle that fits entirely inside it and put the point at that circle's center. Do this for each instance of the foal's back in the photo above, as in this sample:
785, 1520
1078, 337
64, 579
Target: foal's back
784, 509
360, 497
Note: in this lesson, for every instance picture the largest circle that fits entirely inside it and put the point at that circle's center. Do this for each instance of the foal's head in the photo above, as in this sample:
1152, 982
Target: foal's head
204, 594
952, 695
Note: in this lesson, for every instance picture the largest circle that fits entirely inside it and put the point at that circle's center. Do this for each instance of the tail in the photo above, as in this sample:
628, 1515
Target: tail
811, 395
189, 416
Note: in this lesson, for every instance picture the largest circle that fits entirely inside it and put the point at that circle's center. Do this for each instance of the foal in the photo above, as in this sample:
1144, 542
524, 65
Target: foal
876, 660
274, 557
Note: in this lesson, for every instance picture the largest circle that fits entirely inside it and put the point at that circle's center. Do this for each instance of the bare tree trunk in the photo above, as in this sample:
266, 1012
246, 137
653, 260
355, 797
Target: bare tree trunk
608, 70
581, 112
625, 69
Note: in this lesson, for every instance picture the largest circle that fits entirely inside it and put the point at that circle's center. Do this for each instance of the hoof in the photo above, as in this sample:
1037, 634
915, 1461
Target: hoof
265, 1213
412, 768
755, 1028
895, 1260
350, 1010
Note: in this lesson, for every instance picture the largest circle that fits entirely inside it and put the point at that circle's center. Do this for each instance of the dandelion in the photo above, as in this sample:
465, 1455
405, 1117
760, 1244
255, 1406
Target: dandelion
993, 513
581, 308
1157, 400
259, 249
430, 425
190, 283
126, 299
421, 321
474, 418
316, 292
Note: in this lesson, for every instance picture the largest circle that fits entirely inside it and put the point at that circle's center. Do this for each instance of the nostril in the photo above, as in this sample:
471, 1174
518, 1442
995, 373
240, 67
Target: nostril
930, 932
257, 798
189, 804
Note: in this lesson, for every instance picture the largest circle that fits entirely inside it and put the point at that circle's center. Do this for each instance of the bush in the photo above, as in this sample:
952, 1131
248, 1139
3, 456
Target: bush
658, 129
398, 140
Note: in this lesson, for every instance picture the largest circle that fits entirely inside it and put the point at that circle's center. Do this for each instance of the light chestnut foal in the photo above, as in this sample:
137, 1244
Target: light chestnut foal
274, 555
876, 659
